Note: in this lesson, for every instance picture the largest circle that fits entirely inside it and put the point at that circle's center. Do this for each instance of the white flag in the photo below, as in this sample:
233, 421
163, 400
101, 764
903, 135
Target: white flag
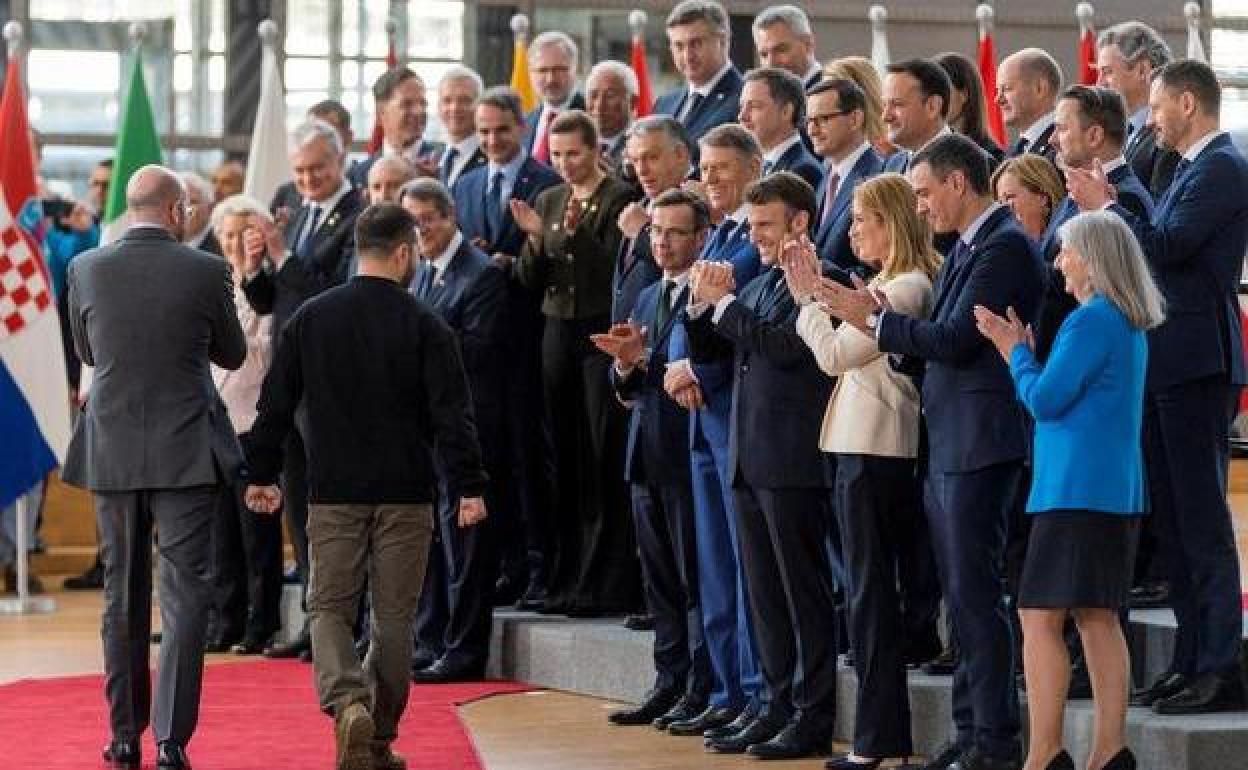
267, 166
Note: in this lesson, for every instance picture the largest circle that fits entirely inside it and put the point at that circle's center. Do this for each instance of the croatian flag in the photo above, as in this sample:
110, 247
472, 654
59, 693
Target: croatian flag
34, 393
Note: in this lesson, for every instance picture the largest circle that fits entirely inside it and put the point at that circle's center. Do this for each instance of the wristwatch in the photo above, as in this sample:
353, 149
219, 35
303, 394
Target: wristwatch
873, 320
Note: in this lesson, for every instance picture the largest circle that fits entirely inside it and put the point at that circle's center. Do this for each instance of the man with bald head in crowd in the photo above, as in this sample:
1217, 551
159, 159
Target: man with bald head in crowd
151, 315
1029, 83
387, 177
784, 39
458, 92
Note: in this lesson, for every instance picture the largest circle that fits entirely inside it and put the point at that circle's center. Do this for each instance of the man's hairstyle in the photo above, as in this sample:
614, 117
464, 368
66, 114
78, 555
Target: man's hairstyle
1039, 64
106, 163
505, 99
678, 196
789, 15
933, 81
429, 190
577, 122
1194, 77
733, 136
783, 187
849, 95
667, 125
558, 39
954, 152
620, 70
693, 11
390, 80
1100, 107
312, 129
1135, 41
383, 227
332, 111
784, 88
460, 72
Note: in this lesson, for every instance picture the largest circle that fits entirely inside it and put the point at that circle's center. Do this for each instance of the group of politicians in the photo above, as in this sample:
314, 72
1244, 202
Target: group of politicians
802, 367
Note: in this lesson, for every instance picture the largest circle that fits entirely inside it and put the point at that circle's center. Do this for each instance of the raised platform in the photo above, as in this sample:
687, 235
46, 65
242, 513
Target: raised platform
602, 658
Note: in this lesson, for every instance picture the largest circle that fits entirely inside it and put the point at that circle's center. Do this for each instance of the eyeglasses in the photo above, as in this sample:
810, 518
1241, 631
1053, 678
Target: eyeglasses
426, 221
821, 120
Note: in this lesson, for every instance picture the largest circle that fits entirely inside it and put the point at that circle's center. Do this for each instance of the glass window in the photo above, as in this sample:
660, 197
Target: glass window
307, 25
435, 29
364, 28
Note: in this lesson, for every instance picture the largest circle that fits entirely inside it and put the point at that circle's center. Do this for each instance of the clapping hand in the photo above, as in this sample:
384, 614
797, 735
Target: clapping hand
526, 218
711, 281
263, 498
1004, 333
632, 219
852, 305
471, 511
681, 386
800, 263
1090, 187
274, 243
625, 342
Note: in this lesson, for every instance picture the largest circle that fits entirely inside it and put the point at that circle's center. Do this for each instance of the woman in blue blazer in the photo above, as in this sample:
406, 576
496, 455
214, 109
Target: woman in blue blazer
1087, 490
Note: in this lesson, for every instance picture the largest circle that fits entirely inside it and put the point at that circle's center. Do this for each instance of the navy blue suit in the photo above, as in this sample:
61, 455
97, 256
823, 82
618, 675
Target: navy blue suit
1042, 146
832, 227
725, 615
529, 453
721, 105
658, 435
977, 440
780, 493
1195, 243
635, 269
535, 114
455, 611
799, 160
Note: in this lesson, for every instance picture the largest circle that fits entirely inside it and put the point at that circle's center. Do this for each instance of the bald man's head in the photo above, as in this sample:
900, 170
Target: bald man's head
155, 195
387, 175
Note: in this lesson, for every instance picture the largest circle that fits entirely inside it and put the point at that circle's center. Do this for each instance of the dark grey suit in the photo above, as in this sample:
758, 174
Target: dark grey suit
154, 443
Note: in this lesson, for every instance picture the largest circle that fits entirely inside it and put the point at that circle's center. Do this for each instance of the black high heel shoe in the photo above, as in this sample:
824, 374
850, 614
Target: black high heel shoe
1061, 761
1123, 760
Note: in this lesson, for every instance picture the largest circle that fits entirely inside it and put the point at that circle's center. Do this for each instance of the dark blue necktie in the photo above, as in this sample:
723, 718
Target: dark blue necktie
305, 237
1020, 146
694, 101
425, 284
448, 163
494, 207
723, 234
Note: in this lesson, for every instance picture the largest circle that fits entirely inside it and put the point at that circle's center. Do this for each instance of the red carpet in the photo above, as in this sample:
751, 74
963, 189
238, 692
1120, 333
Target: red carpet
255, 716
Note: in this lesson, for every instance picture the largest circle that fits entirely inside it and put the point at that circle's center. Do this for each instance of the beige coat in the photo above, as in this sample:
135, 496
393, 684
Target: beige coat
874, 410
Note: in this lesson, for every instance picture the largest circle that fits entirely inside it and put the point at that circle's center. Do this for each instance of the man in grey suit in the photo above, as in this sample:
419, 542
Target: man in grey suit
153, 443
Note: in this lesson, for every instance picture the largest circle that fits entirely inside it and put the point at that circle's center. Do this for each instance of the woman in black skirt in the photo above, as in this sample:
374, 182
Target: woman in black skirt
1087, 487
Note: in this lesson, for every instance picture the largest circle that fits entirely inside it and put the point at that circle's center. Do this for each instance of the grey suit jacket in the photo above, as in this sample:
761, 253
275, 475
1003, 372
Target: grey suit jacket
151, 314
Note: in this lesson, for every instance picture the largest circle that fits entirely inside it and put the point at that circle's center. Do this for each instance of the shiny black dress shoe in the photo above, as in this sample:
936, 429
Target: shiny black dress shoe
292, 649
1212, 693
654, 705
845, 763
534, 599
423, 659
444, 671
801, 737
919, 650
712, 717
943, 664
684, 709
641, 621
761, 730
1123, 760
945, 756
250, 644
123, 754
744, 718
171, 755
1149, 595
974, 759
1165, 685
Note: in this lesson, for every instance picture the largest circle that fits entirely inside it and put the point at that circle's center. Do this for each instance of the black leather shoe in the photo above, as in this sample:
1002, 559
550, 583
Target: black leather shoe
922, 649
684, 709
123, 754
641, 621
845, 763
1149, 595
91, 580
292, 649
743, 720
943, 664
945, 756
507, 592
444, 671
1165, 685
423, 659
222, 643
1061, 761
654, 705
1211, 693
801, 737
760, 730
169, 754
974, 759
712, 717
250, 644
533, 599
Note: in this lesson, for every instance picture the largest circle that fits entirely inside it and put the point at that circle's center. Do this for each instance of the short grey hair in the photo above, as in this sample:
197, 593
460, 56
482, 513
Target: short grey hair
312, 129
617, 69
693, 11
789, 15
733, 136
556, 38
1135, 40
1039, 64
240, 205
191, 180
429, 190
1116, 266
666, 125
460, 72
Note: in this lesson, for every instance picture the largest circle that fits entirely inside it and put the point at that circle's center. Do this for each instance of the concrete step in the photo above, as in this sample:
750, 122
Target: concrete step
63, 560
603, 659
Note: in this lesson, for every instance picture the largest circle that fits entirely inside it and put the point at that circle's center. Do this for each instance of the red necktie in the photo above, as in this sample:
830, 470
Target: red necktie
541, 150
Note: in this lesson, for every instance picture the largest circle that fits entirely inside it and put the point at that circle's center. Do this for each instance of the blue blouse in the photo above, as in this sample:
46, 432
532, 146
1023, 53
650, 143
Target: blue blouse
1088, 404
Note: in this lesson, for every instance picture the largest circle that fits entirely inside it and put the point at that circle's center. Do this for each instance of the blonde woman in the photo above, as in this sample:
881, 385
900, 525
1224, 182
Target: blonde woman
871, 425
862, 71
1029, 186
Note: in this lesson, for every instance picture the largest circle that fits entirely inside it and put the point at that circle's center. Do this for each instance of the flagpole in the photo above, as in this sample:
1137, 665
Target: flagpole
24, 604
880, 56
1195, 44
